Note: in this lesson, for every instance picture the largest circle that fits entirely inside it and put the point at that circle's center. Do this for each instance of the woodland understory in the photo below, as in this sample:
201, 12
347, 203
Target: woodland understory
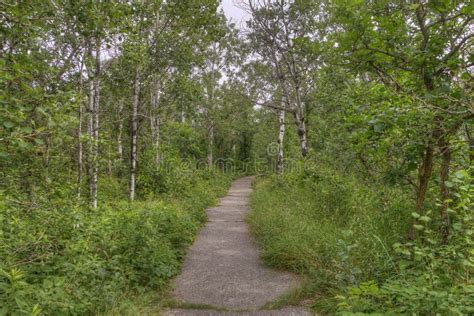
121, 121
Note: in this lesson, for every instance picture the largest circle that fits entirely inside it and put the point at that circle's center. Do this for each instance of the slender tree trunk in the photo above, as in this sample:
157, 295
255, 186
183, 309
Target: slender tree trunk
80, 150
120, 131
210, 145
134, 135
90, 140
424, 173
445, 151
80, 153
301, 130
301, 124
90, 127
155, 122
281, 135
95, 129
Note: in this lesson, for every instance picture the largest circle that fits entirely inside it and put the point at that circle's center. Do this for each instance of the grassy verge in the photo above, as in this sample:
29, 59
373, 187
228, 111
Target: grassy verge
328, 227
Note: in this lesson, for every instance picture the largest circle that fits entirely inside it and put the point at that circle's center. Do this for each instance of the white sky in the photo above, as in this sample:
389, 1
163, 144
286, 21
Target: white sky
234, 13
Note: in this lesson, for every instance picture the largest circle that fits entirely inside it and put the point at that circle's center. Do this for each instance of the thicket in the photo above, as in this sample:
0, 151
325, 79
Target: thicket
59, 257
347, 237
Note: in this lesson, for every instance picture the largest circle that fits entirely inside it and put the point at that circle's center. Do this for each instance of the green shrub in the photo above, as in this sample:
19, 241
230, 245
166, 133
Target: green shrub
433, 276
60, 258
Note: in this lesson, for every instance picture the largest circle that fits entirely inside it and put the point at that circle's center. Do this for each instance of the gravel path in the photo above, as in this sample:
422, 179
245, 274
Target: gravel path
223, 268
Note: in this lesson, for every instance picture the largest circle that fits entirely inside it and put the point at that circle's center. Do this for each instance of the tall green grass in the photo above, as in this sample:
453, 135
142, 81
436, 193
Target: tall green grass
330, 227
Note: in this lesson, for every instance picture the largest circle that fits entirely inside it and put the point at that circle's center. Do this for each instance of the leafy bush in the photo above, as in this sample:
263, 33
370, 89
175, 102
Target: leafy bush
61, 258
432, 275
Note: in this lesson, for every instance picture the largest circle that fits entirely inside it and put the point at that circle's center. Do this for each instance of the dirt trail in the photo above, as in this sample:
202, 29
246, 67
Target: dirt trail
223, 269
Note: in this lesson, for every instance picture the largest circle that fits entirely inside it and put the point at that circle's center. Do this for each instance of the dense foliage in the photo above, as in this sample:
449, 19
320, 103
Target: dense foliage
60, 258
120, 121
346, 236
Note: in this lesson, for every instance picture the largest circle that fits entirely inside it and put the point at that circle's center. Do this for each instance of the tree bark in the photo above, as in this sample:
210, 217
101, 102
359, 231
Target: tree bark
95, 129
155, 122
90, 130
301, 124
301, 130
80, 150
210, 145
424, 173
281, 135
134, 136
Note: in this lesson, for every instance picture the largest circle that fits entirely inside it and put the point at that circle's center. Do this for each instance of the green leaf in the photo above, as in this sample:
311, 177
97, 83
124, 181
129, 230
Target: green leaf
424, 218
39, 141
8, 124
418, 227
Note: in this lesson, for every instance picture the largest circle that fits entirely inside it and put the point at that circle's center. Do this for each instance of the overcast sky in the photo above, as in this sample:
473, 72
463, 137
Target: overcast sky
233, 12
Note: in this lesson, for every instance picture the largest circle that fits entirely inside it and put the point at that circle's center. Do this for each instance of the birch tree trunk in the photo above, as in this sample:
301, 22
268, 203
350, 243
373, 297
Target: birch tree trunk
281, 135
210, 145
301, 130
155, 122
80, 164
300, 123
95, 129
133, 132
90, 129
80, 150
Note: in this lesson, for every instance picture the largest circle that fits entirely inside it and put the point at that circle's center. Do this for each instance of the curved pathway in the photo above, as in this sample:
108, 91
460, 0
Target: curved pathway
222, 268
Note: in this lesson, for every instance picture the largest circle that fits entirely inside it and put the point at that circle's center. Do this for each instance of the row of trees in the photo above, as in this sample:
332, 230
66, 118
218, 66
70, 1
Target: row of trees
394, 77
88, 88
398, 76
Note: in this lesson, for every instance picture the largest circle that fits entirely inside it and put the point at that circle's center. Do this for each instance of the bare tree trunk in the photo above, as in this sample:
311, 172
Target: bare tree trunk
297, 109
133, 131
120, 131
281, 135
155, 122
80, 154
90, 140
301, 124
210, 145
90, 128
424, 173
95, 129
301, 130
80, 150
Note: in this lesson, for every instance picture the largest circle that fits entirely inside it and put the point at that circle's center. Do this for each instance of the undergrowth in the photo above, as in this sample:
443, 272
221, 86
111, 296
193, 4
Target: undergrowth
348, 238
59, 257
329, 227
